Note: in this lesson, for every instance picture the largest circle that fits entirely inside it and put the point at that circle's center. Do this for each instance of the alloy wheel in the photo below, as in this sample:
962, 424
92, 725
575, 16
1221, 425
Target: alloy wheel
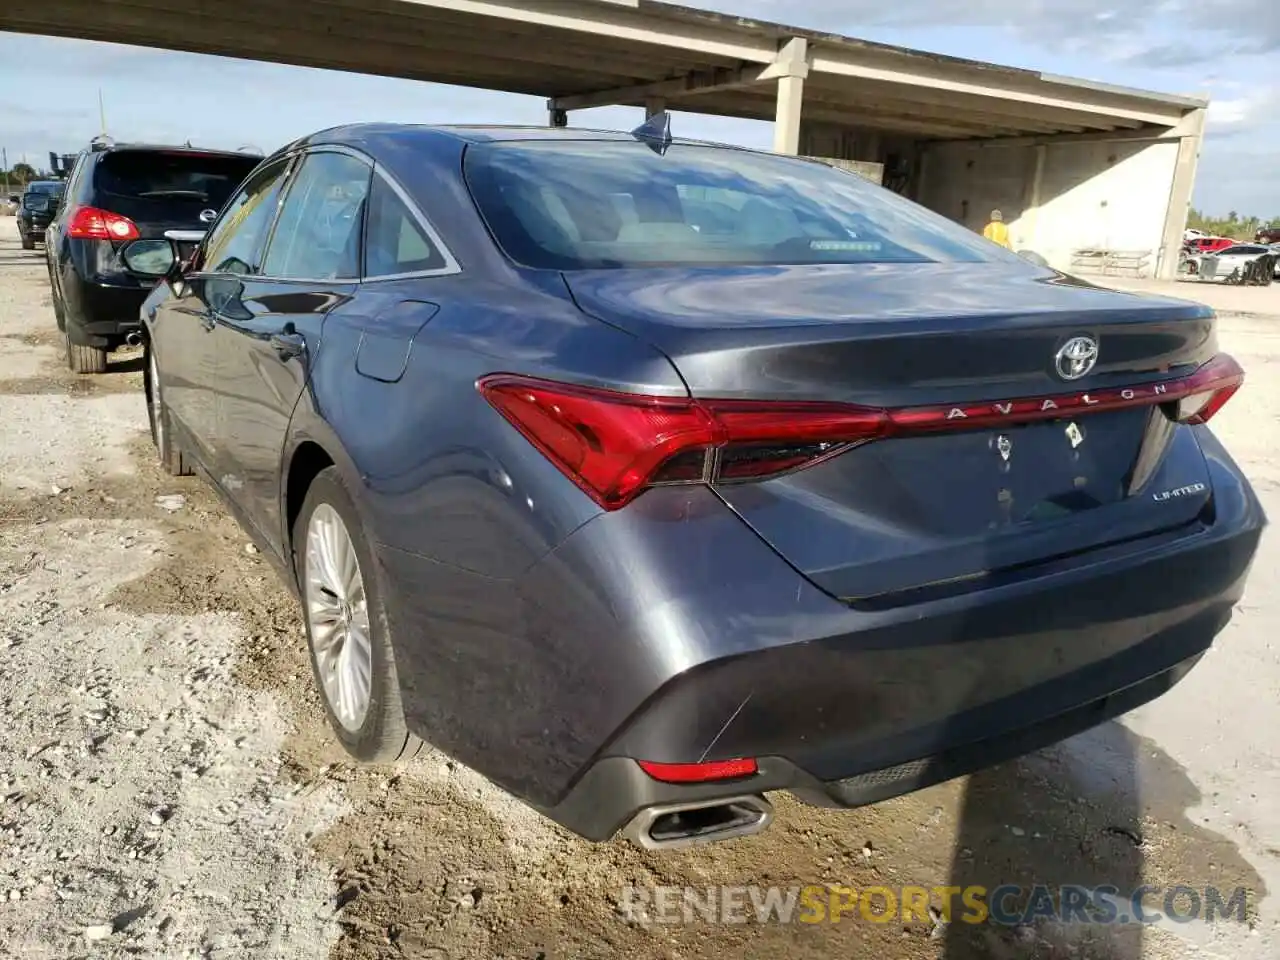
338, 616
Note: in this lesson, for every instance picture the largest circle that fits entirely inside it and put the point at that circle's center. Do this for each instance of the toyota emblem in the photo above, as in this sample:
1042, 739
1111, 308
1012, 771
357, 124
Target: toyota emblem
208, 216
1076, 357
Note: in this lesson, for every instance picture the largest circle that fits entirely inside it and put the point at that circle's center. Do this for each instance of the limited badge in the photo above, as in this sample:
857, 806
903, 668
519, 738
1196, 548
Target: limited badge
1075, 435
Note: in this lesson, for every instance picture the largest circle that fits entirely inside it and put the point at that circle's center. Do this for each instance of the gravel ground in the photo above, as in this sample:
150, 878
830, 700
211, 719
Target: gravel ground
168, 788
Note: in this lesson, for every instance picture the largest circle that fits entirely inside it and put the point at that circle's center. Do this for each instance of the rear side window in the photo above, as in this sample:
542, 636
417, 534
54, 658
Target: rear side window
171, 178
590, 204
395, 242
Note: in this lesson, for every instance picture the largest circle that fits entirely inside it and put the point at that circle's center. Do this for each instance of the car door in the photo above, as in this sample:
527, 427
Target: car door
185, 323
266, 345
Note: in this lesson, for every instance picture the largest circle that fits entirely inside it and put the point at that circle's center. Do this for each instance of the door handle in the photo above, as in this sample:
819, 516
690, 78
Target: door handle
288, 345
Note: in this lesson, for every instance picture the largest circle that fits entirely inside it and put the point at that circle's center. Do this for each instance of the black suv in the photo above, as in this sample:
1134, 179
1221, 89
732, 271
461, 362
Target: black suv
38, 205
116, 194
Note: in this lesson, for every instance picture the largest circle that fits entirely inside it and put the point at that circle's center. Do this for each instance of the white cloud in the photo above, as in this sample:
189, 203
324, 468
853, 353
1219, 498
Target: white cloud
1225, 113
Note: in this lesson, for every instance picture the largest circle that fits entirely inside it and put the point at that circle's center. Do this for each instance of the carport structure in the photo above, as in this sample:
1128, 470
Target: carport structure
1073, 165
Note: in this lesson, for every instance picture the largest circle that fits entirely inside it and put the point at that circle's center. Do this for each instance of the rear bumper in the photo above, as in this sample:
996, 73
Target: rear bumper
99, 314
670, 632
614, 790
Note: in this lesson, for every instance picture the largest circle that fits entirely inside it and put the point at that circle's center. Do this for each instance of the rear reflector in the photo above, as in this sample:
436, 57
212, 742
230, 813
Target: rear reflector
699, 772
614, 445
90, 223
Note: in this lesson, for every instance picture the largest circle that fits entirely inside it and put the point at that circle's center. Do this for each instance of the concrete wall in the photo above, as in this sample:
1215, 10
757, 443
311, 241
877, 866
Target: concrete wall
897, 156
1108, 195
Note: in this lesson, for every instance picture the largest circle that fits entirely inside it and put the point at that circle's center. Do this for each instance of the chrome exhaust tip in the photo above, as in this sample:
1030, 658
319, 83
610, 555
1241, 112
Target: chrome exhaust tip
671, 826
133, 338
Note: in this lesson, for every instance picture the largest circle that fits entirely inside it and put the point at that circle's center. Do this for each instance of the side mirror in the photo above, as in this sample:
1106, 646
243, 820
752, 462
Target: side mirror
150, 258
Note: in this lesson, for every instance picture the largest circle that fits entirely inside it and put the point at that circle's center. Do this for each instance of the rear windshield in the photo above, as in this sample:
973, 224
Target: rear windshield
206, 179
39, 196
569, 205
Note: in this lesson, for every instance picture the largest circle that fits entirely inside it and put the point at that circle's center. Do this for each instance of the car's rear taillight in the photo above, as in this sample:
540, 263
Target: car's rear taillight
614, 445
90, 223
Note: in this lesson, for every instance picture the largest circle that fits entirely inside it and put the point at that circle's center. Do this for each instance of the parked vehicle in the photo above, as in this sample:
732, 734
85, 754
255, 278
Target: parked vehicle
36, 208
1202, 245
115, 196
648, 477
1244, 263
1267, 235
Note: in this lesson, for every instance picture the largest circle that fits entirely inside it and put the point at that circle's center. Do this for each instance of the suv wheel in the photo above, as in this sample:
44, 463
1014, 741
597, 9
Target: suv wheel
85, 359
172, 460
347, 631
27, 242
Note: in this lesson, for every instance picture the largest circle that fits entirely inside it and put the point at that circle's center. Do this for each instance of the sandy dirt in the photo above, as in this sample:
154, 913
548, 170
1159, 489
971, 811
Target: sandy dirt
168, 787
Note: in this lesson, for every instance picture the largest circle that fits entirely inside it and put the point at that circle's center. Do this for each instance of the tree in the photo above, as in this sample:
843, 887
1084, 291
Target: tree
22, 173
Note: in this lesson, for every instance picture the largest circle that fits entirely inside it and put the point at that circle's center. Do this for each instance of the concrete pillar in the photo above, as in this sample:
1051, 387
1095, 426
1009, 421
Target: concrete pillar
557, 118
1190, 136
653, 106
789, 68
786, 123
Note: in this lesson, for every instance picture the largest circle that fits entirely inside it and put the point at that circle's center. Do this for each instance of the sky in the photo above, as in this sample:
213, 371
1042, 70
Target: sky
1223, 49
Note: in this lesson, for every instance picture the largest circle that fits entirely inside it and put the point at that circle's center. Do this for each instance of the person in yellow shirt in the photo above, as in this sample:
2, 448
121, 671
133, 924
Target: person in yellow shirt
996, 231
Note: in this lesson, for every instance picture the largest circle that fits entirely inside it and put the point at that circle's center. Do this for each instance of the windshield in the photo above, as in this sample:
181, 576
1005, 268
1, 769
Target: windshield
206, 179
51, 189
569, 205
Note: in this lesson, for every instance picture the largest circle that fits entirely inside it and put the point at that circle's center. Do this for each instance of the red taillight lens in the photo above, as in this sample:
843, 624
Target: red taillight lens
1206, 391
610, 444
90, 223
614, 445
699, 772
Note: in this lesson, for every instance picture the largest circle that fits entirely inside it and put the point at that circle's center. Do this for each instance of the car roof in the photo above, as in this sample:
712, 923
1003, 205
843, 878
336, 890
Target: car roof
46, 183
362, 134
173, 148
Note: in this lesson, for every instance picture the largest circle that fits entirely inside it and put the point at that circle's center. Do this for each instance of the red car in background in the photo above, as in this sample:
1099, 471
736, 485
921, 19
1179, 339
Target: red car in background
1209, 244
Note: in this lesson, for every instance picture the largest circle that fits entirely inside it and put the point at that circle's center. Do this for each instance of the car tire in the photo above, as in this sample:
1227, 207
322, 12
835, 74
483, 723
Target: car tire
82, 358
28, 243
172, 460
345, 618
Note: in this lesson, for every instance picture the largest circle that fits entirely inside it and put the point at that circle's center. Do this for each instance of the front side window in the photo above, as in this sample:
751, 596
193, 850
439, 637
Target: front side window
235, 242
318, 234
396, 242
593, 204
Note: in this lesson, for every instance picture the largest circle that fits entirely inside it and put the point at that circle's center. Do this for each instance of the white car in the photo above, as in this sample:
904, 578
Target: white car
1191, 233
1229, 264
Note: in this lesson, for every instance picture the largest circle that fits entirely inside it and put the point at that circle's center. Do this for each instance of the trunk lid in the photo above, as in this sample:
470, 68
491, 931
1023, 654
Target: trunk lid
896, 515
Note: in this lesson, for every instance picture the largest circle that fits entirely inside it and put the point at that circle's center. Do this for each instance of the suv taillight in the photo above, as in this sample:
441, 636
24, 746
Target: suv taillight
90, 223
614, 445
